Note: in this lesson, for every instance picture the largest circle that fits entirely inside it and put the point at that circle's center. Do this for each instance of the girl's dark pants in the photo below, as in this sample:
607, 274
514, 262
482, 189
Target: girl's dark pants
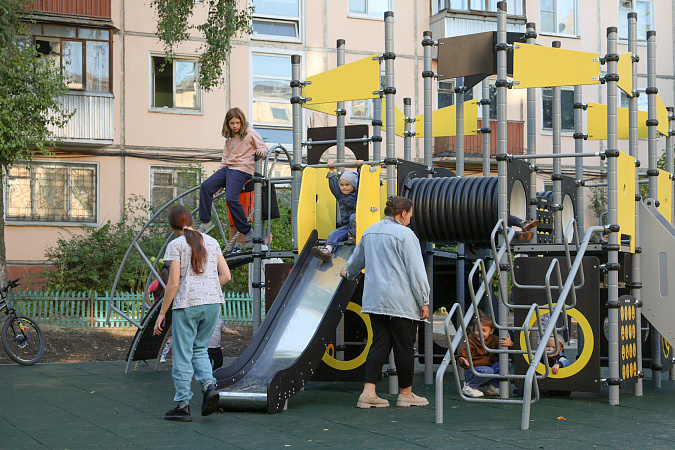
233, 181
397, 333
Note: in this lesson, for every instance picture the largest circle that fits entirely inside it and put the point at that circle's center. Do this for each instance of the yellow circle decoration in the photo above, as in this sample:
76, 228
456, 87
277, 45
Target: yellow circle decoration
359, 360
582, 360
623, 312
632, 313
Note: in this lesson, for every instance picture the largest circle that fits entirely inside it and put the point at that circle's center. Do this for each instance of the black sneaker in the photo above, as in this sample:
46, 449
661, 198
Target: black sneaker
351, 240
233, 251
179, 413
211, 398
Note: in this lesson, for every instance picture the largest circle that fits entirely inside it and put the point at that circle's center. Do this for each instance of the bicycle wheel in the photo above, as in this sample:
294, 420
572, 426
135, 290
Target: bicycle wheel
23, 340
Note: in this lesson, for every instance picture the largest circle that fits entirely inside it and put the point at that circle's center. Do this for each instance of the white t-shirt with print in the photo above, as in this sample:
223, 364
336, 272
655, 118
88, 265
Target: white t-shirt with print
196, 289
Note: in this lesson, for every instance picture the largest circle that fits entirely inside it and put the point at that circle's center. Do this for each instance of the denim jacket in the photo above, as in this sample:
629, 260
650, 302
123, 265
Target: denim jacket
396, 281
347, 202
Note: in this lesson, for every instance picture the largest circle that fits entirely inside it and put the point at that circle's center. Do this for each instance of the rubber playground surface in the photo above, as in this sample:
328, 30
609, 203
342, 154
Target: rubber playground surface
83, 405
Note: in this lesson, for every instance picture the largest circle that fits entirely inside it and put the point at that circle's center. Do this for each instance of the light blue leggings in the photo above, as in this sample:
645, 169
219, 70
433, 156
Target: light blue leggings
192, 330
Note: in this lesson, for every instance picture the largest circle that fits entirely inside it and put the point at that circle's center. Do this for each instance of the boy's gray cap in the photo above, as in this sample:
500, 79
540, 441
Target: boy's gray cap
352, 177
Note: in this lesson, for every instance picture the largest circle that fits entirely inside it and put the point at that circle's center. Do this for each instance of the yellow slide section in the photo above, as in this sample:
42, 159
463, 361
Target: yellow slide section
537, 66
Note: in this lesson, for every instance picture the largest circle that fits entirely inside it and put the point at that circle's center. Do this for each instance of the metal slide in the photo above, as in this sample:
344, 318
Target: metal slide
292, 339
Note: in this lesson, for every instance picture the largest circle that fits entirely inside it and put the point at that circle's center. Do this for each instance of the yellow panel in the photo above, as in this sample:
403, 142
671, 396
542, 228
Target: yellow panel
353, 81
665, 190
306, 206
399, 118
369, 196
626, 191
327, 108
445, 123
597, 122
661, 116
538, 66
326, 205
625, 70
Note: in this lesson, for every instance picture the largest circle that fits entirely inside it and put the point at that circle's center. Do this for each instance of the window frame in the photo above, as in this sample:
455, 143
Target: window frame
258, 125
438, 6
549, 131
37, 30
9, 221
174, 171
641, 38
367, 16
271, 18
151, 92
576, 33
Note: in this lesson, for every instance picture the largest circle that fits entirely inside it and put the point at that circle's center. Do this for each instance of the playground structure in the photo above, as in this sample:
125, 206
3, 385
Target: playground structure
565, 276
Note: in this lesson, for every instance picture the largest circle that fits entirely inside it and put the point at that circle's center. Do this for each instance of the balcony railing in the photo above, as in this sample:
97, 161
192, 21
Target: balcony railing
80, 8
473, 145
92, 124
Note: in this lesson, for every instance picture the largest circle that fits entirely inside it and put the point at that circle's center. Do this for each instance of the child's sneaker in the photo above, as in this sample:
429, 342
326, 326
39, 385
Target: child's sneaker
471, 392
492, 390
162, 359
248, 242
179, 413
525, 235
322, 253
351, 240
528, 224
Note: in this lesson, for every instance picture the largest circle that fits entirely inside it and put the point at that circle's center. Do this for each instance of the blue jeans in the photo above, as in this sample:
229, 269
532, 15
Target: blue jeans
192, 330
233, 181
342, 234
474, 381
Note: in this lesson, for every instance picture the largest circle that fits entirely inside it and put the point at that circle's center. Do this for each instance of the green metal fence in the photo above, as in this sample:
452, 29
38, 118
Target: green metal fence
88, 309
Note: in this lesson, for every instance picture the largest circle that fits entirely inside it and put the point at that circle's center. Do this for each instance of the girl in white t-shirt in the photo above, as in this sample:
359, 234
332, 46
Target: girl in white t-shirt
196, 274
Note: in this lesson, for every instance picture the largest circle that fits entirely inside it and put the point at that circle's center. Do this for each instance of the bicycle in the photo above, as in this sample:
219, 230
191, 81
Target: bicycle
22, 338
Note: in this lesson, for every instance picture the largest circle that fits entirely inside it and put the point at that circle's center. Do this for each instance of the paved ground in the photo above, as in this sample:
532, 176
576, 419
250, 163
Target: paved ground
82, 405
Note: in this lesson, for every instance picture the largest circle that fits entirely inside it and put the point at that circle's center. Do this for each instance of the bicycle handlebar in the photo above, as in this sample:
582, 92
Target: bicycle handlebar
11, 284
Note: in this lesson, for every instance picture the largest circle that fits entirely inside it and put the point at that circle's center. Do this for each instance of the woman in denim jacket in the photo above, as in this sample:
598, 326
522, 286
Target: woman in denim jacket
396, 295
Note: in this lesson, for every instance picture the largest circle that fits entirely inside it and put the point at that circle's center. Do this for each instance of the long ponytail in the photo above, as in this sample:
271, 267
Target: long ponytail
180, 218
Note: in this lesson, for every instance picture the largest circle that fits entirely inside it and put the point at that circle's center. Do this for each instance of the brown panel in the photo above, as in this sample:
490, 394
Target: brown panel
81, 8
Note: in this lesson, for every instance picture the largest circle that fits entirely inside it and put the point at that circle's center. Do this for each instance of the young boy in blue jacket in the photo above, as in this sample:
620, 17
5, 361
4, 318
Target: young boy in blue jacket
345, 192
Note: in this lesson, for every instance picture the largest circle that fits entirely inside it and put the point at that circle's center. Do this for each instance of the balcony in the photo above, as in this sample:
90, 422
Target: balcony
97, 9
92, 124
473, 145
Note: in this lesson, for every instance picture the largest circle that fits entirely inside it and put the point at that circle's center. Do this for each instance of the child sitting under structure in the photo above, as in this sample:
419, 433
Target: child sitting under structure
484, 362
345, 192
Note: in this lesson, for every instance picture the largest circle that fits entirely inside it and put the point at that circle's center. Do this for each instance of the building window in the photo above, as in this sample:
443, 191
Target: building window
271, 110
361, 110
276, 20
167, 182
82, 53
370, 9
174, 83
644, 10
559, 17
513, 7
52, 192
566, 108
446, 93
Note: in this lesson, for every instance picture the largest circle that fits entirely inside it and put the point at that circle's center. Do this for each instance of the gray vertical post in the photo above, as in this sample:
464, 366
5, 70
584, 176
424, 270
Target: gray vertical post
377, 128
297, 147
428, 76
557, 176
341, 115
341, 112
633, 151
653, 173
407, 130
257, 244
612, 154
389, 91
531, 36
485, 128
459, 170
502, 83
578, 162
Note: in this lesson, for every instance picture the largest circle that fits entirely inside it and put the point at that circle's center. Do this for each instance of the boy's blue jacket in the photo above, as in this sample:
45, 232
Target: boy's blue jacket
347, 202
396, 281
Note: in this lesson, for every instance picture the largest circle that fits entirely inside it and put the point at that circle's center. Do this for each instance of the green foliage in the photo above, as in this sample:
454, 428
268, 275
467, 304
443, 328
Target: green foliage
30, 88
224, 22
89, 260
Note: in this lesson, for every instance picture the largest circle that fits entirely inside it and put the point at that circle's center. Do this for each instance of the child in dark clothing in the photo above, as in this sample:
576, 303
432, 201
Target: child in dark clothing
483, 361
345, 192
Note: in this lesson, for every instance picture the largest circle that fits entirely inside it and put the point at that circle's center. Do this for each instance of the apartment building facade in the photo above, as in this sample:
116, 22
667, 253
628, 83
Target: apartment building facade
140, 120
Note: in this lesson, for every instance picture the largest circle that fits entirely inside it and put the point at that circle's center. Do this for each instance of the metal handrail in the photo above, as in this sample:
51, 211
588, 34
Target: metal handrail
541, 348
